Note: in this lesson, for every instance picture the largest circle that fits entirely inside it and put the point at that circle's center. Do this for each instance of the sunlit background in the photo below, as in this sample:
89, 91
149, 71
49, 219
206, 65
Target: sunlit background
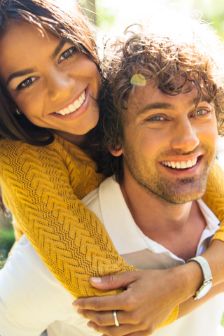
107, 14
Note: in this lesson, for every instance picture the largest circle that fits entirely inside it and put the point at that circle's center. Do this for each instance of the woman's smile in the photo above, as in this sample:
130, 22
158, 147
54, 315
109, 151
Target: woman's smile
53, 84
75, 105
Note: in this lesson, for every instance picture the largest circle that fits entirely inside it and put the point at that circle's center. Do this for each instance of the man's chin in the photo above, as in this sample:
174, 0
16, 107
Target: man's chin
179, 198
185, 190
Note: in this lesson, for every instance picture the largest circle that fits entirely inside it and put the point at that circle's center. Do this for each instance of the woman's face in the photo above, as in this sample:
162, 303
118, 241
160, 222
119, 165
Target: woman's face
52, 84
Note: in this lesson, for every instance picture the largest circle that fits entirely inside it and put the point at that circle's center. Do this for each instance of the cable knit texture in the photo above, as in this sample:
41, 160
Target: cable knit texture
42, 188
214, 197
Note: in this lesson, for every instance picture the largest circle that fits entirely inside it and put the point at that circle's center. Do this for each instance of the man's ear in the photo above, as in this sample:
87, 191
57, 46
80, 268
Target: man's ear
117, 152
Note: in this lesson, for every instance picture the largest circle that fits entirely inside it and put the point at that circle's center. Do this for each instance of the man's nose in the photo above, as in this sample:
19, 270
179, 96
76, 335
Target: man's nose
185, 138
58, 83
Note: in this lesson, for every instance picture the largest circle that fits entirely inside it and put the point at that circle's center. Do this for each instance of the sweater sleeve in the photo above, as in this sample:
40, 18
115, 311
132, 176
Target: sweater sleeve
69, 238
214, 196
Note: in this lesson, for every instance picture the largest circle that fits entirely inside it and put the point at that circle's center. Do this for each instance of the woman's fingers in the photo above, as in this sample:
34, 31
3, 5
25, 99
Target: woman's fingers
107, 318
122, 330
114, 281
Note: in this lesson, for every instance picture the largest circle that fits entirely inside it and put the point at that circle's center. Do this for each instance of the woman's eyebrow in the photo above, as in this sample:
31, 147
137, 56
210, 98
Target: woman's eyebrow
59, 47
19, 73
24, 72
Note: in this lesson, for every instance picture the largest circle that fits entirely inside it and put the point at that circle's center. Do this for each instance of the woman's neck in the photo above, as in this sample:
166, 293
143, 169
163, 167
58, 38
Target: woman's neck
74, 139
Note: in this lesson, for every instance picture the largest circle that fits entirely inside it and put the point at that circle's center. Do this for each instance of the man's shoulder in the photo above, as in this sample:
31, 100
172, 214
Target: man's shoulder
210, 218
92, 200
26, 276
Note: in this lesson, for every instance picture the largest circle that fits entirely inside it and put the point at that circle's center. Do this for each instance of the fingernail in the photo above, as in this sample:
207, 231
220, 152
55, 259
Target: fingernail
89, 324
96, 279
74, 306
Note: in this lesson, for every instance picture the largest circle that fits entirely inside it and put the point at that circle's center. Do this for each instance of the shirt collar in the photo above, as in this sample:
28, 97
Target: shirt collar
120, 223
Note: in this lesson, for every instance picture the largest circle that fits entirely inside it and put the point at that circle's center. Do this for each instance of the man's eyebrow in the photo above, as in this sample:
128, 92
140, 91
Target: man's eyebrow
155, 106
160, 106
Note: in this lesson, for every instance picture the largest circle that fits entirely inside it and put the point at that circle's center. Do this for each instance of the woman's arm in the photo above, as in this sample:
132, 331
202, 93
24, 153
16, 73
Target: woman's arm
189, 305
36, 187
146, 302
149, 297
214, 196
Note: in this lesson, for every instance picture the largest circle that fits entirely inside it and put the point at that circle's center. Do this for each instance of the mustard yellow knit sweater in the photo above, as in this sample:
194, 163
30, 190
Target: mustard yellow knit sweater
42, 188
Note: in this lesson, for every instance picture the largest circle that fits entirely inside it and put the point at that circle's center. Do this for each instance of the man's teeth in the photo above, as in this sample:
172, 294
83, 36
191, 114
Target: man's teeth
180, 164
74, 106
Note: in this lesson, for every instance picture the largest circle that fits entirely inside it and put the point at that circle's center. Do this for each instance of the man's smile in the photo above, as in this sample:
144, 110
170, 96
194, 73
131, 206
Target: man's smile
180, 164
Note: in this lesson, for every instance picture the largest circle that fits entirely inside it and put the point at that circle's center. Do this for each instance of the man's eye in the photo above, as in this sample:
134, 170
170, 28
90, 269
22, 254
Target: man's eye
67, 54
26, 83
202, 112
156, 118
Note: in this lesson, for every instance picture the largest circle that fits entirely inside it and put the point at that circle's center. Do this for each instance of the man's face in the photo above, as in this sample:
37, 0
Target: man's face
169, 143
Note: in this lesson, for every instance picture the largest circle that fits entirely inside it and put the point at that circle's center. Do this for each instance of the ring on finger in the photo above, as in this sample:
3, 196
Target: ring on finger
116, 322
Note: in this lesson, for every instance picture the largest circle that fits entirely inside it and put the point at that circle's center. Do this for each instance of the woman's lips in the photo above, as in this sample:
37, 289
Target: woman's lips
75, 105
83, 105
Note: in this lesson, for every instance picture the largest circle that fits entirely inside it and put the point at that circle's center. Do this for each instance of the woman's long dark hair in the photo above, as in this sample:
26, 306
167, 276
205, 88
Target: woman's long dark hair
47, 16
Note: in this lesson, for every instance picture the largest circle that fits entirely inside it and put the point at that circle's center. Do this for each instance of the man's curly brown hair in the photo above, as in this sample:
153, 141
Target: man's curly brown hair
174, 60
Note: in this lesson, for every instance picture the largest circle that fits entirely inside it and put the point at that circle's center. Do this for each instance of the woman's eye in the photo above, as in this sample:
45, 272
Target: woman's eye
26, 83
67, 53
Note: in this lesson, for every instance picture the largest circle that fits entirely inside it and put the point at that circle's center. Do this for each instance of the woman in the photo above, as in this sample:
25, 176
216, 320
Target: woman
50, 81
57, 74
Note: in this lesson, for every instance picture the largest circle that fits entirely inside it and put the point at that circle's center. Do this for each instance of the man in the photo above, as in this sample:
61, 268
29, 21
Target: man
162, 132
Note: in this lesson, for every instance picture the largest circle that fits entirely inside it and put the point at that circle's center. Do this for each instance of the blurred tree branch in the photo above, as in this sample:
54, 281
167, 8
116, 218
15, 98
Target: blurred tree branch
89, 8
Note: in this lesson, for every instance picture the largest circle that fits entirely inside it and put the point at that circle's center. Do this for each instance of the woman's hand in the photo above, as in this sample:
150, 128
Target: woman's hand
148, 298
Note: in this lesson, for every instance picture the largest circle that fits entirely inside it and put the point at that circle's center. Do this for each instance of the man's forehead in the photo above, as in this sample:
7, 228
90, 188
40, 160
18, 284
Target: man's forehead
151, 94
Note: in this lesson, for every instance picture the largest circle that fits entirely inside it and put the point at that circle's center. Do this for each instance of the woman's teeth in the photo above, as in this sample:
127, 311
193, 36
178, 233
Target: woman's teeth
74, 106
180, 164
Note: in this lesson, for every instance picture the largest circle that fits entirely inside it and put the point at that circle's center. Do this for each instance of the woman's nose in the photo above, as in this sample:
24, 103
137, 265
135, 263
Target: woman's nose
58, 83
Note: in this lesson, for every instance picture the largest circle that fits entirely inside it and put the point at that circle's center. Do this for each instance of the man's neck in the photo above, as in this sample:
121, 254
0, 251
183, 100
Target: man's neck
178, 227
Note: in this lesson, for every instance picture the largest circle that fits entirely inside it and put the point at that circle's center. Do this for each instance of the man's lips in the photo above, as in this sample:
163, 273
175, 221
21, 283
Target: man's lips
182, 164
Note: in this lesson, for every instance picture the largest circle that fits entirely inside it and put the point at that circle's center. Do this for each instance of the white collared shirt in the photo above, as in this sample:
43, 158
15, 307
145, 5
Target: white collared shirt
31, 299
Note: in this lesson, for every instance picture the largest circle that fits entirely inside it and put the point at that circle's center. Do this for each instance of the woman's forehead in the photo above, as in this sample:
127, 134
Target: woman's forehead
23, 42
20, 31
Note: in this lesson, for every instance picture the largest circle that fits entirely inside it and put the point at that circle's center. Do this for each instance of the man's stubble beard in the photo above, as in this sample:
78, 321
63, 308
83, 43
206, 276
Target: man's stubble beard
166, 190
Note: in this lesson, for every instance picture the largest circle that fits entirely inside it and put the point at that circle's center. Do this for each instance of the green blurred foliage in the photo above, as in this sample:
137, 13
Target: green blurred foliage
105, 16
89, 8
210, 10
222, 320
6, 236
6, 241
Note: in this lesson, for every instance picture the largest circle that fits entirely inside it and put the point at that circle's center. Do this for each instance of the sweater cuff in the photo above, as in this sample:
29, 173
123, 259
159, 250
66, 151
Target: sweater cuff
171, 317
